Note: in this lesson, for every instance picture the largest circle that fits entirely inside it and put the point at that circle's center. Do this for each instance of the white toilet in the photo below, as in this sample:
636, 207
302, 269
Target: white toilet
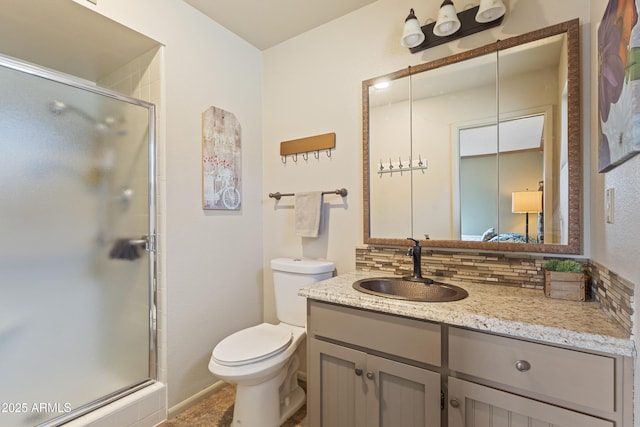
261, 360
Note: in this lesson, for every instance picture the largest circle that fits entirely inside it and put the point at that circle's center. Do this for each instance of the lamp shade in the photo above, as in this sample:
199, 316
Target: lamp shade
526, 201
412, 35
490, 10
447, 22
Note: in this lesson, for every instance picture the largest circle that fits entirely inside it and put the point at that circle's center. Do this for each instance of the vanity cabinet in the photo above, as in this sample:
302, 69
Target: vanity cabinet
370, 369
494, 378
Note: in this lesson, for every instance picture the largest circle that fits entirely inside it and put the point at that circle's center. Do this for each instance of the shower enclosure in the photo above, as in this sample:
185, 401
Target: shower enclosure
77, 246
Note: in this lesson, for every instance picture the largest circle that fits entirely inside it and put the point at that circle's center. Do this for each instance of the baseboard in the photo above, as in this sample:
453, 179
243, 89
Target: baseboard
176, 409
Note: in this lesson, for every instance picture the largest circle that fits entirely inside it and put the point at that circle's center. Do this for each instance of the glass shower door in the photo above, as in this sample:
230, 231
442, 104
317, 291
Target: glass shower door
76, 212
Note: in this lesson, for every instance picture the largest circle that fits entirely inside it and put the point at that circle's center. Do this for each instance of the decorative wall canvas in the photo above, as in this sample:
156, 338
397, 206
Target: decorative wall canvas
618, 84
221, 160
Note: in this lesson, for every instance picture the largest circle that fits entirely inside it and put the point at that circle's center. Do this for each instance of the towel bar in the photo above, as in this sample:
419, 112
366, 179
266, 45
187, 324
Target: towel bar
341, 191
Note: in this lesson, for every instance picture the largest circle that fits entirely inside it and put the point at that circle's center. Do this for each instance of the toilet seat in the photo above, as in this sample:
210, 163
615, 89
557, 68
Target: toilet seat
252, 345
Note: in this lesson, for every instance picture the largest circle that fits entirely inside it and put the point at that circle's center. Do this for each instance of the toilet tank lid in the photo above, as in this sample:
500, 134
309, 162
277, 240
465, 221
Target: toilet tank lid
302, 265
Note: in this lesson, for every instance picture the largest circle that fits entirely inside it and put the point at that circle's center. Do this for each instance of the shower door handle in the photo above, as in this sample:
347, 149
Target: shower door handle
149, 242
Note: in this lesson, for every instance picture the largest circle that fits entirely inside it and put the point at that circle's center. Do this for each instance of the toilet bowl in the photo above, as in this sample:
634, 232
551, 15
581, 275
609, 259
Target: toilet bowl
262, 360
259, 360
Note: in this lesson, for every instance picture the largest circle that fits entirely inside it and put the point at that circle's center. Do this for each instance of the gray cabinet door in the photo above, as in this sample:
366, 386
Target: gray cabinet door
401, 395
335, 397
350, 388
474, 405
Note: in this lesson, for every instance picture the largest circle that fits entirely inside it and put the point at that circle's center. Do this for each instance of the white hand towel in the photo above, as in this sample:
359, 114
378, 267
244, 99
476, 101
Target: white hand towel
307, 216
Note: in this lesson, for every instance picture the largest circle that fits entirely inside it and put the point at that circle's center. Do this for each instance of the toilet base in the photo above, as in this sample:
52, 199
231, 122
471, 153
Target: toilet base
291, 404
259, 405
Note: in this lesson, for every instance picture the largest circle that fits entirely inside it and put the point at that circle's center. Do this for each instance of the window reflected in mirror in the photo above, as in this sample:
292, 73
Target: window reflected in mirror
521, 149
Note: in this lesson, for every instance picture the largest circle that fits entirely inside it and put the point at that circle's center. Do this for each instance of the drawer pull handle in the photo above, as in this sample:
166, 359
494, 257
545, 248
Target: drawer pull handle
454, 403
370, 375
523, 365
358, 371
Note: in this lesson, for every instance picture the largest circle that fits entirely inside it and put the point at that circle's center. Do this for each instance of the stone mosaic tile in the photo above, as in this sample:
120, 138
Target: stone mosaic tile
614, 293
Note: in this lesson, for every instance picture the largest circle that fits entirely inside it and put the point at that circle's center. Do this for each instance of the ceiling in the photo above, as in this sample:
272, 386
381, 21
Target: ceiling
65, 36
267, 23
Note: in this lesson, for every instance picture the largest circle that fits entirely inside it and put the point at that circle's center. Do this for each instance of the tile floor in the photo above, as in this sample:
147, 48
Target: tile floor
216, 410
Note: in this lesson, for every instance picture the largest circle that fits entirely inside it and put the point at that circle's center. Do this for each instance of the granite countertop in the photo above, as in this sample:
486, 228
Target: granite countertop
517, 312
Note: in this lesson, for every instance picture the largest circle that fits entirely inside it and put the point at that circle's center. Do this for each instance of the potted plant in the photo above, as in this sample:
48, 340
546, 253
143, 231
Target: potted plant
564, 279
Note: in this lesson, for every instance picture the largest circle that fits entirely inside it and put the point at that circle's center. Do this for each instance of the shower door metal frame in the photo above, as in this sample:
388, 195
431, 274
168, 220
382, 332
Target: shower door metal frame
151, 238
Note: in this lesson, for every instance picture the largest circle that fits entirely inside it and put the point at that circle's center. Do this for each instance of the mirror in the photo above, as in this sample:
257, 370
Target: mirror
480, 150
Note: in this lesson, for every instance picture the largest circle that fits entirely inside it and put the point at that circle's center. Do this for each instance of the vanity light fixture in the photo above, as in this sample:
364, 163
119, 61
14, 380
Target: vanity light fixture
451, 25
412, 35
447, 22
526, 202
490, 10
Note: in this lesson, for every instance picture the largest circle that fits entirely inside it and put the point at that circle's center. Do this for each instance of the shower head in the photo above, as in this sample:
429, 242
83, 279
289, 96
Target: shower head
58, 107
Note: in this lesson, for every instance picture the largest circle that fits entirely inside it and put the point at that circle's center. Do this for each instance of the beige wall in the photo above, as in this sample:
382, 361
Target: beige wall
306, 86
211, 261
312, 84
617, 245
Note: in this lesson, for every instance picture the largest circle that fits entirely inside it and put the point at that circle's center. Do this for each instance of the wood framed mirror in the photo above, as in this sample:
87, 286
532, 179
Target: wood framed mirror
451, 147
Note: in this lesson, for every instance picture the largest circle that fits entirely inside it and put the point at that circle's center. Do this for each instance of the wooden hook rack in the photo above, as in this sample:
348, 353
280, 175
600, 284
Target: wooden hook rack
311, 144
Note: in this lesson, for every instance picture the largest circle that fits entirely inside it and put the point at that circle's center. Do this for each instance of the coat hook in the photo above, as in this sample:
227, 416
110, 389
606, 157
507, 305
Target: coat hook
305, 156
329, 153
381, 167
283, 159
316, 154
400, 162
295, 158
390, 164
420, 160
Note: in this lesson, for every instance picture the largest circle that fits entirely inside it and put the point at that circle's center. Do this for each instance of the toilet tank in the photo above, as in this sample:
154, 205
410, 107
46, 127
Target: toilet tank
291, 274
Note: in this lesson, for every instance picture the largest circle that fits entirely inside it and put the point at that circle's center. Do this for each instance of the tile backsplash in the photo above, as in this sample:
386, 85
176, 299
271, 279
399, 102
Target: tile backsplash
477, 267
500, 268
614, 293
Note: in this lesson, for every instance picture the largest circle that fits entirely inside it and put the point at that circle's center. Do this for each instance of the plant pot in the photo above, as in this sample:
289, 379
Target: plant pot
566, 286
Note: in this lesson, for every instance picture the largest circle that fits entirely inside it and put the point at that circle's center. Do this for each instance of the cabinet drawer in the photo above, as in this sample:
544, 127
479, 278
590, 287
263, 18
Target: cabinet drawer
407, 338
470, 404
573, 376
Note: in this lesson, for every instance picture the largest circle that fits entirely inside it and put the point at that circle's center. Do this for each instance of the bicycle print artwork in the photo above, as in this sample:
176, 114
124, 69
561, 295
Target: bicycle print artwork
221, 160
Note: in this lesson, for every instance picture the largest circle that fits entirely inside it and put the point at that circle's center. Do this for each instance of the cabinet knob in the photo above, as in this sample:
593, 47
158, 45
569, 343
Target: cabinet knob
358, 371
454, 403
523, 365
370, 375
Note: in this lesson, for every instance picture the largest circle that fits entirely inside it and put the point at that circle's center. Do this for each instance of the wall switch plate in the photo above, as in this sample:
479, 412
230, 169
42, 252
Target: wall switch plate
609, 204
